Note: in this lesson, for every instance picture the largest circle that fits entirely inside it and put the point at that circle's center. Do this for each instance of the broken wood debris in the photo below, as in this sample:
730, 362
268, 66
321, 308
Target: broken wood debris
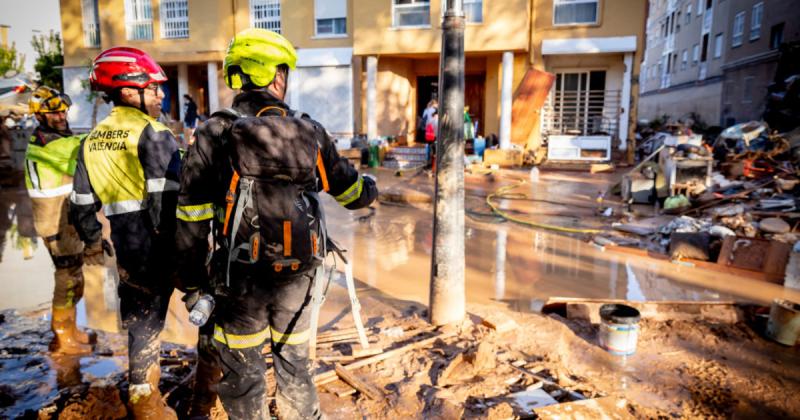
330, 376
361, 386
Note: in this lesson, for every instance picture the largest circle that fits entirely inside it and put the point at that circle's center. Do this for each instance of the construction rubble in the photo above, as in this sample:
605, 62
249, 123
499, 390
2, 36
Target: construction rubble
728, 203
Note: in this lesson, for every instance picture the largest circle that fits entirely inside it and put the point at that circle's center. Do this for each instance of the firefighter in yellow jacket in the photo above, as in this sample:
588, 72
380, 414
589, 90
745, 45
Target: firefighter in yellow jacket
128, 166
49, 166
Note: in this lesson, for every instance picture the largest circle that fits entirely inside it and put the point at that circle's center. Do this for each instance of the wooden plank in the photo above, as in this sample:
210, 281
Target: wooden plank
327, 377
363, 387
529, 98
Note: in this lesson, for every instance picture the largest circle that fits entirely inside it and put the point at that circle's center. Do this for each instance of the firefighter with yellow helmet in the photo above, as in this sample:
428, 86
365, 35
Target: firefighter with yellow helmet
49, 166
251, 179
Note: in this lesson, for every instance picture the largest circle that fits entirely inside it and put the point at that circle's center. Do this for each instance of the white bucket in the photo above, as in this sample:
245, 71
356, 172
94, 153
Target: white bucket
784, 322
619, 329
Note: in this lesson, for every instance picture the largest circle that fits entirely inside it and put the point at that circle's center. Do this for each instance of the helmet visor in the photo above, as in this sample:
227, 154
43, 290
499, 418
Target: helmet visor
54, 103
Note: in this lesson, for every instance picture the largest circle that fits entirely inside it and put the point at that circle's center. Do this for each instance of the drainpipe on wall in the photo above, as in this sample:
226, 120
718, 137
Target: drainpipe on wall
372, 96
505, 100
213, 87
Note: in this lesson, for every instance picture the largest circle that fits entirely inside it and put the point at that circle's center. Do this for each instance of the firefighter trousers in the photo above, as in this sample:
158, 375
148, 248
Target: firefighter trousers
65, 248
264, 308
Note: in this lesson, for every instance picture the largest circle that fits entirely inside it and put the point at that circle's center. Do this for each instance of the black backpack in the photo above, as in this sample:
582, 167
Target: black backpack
274, 219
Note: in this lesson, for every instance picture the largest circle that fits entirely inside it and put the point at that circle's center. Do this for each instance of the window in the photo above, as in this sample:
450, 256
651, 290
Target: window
411, 13
747, 90
689, 13
91, 23
700, 8
738, 30
718, 41
678, 23
337, 26
729, 91
776, 36
573, 12
755, 21
473, 10
138, 20
704, 51
579, 103
674, 63
174, 19
695, 54
331, 17
684, 59
266, 14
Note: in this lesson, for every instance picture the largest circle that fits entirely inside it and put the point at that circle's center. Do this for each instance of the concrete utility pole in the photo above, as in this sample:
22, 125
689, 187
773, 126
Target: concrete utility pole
447, 294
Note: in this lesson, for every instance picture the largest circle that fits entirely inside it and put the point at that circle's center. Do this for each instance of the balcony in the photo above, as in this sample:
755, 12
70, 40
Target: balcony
582, 113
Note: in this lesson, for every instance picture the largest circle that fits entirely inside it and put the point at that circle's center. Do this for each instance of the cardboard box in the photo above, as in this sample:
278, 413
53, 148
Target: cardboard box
503, 158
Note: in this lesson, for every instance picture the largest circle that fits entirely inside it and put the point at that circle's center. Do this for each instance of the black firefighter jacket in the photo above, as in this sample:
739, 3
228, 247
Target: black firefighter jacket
206, 177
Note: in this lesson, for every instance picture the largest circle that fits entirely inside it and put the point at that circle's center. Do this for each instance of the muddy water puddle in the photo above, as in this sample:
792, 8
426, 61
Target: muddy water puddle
520, 267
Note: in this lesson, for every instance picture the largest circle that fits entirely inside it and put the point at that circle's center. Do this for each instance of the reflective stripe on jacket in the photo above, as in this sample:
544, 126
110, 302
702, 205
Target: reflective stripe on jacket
50, 163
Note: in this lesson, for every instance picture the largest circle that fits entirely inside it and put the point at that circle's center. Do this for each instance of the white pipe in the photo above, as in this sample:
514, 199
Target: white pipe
213, 87
372, 96
505, 100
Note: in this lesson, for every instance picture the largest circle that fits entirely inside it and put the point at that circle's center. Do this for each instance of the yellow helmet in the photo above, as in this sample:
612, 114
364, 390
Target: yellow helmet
46, 99
253, 57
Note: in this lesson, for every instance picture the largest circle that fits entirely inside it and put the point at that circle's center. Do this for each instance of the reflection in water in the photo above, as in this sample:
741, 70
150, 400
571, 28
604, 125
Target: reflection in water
500, 264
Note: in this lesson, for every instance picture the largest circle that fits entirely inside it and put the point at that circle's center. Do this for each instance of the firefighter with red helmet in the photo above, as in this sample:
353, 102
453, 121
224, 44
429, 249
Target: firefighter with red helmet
128, 167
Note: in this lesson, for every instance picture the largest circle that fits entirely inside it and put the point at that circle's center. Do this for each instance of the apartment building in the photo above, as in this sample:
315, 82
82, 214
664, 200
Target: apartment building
369, 67
713, 58
758, 29
593, 46
189, 38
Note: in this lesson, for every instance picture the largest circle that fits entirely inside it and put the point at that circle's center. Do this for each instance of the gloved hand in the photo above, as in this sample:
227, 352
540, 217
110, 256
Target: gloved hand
94, 254
190, 299
370, 176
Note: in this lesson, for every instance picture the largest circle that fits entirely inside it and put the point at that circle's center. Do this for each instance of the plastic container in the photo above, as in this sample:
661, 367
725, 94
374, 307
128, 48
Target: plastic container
619, 329
784, 322
479, 144
374, 155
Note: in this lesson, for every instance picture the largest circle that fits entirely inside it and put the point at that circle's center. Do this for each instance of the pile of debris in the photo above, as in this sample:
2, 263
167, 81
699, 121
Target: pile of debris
731, 202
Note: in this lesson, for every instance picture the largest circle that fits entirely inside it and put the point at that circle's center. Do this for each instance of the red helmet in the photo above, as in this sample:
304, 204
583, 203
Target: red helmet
119, 67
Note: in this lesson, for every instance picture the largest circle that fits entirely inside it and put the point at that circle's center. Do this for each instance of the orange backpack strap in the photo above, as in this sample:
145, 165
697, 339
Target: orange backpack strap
229, 199
323, 176
271, 107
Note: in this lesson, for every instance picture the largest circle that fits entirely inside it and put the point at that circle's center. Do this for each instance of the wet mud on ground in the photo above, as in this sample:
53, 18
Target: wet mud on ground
692, 369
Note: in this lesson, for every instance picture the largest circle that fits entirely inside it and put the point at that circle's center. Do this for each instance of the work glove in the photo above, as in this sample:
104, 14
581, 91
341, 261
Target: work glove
94, 254
190, 299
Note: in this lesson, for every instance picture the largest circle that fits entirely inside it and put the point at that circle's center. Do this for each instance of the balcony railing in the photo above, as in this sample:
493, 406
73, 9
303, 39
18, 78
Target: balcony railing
582, 112
174, 19
91, 35
138, 31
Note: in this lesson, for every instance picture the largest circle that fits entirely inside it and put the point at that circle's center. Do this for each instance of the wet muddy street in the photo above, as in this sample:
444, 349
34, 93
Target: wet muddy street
520, 267
507, 265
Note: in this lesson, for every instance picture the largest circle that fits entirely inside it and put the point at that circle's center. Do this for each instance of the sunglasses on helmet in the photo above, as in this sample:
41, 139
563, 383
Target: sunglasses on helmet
53, 103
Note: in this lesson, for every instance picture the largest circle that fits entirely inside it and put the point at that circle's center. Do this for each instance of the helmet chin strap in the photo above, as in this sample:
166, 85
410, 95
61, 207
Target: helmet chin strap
141, 101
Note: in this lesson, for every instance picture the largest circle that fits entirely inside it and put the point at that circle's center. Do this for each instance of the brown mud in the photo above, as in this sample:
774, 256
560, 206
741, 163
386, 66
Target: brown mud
688, 368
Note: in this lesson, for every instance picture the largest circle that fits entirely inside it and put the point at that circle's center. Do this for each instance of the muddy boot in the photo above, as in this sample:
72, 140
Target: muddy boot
146, 402
64, 338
